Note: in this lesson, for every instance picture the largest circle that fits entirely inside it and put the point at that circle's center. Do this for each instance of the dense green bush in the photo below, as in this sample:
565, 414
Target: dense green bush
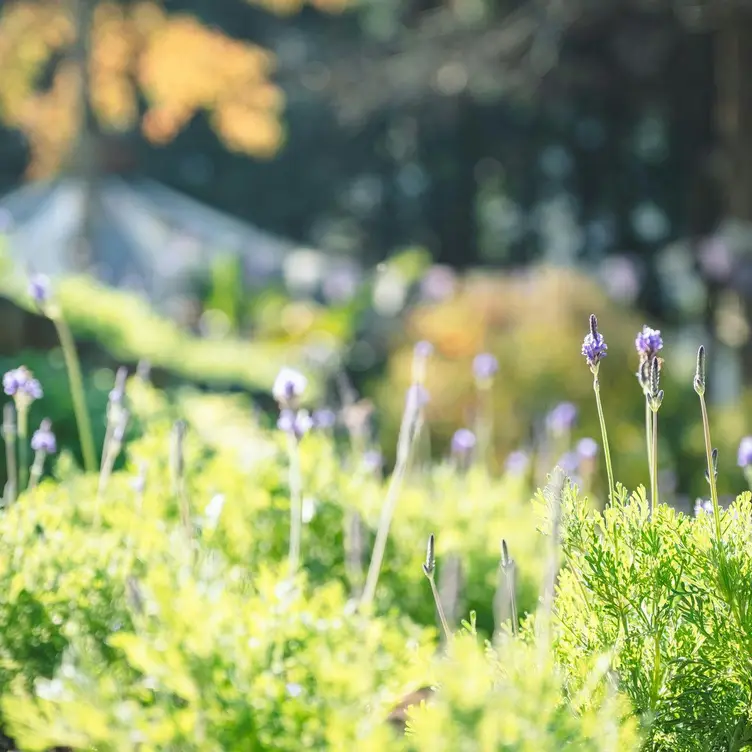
121, 628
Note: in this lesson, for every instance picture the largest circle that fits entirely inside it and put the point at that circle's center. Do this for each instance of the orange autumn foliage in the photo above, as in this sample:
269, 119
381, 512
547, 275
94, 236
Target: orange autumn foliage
171, 62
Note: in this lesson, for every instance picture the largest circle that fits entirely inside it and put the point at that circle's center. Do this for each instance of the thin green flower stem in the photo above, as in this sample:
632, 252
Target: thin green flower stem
656, 682
606, 450
23, 445
73, 367
654, 463
405, 441
649, 443
37, 469
484, 425
711, 472
509, 576
10, 461
296, 504
440, 609
379, 546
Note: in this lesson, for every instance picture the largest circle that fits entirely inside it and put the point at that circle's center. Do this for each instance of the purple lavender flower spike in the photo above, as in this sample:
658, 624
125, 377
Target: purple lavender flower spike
20, 382
43, 439
463, 442
744, 456
594, 346
289, 386
649, 342
296, 423
423, 349
517, 462
324, 418
587, 448
372, 460
562, 418
40, 289
485, 366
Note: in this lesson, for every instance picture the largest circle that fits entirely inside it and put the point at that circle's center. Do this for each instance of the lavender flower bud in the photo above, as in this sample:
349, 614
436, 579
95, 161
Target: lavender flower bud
594, 346
463, 442
485, 367
43, 439
430, 564
517, 462
423, 349
505, 558
744, 456
655, 393
699, 382
297, 424
288, 387
648, 342
19, 382
587, 448
40, 289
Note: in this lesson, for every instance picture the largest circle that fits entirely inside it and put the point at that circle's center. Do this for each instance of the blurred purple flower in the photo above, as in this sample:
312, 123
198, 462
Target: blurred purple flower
43, 439
289, 386
744, 456
298, 424
373, 460
439, 283
340, 284
40, 289
569, 462
423, 349
562, 418
703, 506
485, 366
716, 259
463, 442
324, 418
20, 381
293, 689
594, 346
648, 342
517, 462
621, 278
587, 448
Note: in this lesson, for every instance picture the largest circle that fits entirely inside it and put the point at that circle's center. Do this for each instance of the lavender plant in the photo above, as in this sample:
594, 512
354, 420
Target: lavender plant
594, 348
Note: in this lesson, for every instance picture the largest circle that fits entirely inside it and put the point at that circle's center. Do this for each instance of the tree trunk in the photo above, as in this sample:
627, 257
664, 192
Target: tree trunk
85, 158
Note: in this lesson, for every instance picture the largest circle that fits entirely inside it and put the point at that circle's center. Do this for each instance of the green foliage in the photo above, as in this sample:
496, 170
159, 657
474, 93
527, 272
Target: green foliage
134, 633
672, 605
477, 686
